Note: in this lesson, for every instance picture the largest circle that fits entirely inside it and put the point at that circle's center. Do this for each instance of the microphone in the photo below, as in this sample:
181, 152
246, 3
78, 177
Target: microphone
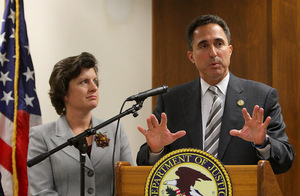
152, 92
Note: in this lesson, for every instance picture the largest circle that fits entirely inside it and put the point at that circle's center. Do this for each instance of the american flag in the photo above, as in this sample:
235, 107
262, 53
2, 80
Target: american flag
19, 105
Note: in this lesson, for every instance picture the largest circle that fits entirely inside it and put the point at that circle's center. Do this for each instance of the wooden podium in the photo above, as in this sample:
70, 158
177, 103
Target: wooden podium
246, 179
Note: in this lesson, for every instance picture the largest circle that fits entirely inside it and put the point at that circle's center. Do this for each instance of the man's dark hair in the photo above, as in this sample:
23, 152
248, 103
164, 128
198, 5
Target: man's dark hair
64, 71
204, 20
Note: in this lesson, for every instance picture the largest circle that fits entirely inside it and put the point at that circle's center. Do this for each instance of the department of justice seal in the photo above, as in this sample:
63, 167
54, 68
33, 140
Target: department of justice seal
189, 172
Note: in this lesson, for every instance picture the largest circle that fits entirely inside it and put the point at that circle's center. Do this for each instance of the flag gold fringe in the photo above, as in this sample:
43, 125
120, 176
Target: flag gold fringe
17, 64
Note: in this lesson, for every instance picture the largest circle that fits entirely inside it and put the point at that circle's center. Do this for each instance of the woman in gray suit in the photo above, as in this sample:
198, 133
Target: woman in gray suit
74, 94
1, 189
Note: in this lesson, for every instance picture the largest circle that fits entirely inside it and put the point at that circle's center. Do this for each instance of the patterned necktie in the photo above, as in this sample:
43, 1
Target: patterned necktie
213, 125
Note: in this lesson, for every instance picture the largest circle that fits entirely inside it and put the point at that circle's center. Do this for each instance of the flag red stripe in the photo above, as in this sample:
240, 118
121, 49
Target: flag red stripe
22, 149
5, 158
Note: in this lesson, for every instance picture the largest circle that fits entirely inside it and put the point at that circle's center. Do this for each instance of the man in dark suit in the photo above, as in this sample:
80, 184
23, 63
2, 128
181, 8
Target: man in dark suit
241, 138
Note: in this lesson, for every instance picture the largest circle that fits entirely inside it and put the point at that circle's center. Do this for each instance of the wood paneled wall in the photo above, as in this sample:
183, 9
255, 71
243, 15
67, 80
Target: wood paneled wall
265, 35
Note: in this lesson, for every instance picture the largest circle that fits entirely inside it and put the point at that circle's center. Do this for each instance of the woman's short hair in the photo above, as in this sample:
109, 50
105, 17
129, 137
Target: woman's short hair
64, 71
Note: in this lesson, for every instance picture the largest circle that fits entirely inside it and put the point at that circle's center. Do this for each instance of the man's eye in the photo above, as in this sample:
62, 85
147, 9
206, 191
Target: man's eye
220, 44
96, 82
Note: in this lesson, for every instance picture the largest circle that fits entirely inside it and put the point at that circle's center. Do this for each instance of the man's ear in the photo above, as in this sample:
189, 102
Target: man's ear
230, 49
190, 56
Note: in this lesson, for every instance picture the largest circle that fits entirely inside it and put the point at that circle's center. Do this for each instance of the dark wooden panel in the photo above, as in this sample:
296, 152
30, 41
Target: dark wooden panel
249, 38
286, 72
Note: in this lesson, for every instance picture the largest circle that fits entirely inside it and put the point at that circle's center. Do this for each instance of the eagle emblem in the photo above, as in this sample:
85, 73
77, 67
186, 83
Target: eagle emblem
186, 181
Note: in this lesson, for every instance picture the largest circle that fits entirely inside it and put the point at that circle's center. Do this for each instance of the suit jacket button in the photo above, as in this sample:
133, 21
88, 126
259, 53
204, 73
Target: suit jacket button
277, 157
90, 190
90, 173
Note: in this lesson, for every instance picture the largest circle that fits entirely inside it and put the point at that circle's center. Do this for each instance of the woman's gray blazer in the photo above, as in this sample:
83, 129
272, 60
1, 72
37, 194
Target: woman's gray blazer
59, 174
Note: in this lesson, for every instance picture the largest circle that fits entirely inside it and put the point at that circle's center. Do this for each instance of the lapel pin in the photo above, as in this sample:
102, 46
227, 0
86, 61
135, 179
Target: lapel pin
240, 102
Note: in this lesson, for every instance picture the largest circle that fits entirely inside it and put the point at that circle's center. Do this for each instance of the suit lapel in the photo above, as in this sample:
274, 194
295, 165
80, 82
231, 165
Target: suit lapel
232, 112
192, 113
63, 133
98, 153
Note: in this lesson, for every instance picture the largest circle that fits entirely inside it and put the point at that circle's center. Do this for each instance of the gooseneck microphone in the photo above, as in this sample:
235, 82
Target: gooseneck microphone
152, 92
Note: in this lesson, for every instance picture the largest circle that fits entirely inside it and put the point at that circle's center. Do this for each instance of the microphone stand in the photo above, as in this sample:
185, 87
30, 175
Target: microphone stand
80, 143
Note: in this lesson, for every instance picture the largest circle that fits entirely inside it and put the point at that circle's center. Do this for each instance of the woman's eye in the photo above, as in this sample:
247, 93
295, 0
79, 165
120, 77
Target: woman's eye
203, 46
